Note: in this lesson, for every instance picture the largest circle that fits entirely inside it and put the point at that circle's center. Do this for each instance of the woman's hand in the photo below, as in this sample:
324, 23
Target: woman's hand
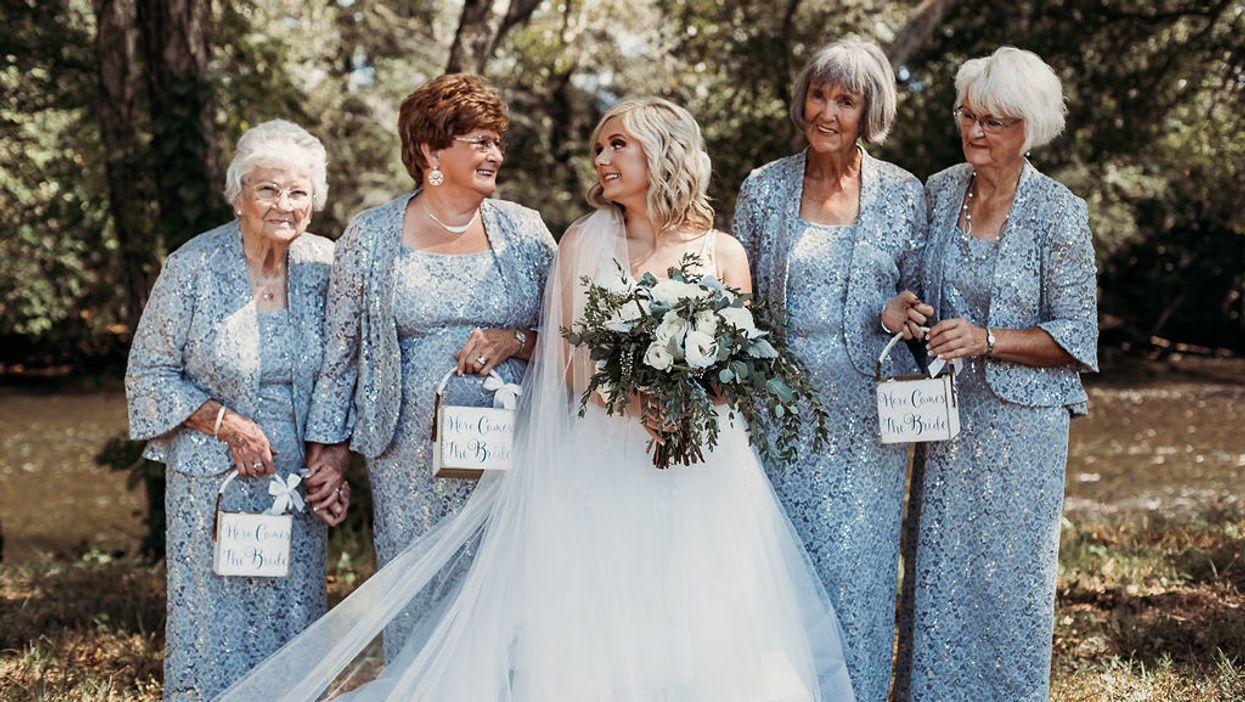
906, 314
956, 338
335, 511
252, 454
326, 478
492, 346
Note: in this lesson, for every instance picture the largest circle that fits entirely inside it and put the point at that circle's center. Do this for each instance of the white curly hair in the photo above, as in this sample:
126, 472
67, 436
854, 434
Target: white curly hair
278, 143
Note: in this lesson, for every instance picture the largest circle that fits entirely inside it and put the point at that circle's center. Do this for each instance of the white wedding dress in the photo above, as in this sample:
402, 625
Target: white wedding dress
595, 576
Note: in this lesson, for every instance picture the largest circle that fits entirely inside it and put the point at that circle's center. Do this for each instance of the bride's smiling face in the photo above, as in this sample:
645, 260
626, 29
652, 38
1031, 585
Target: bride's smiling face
622, 169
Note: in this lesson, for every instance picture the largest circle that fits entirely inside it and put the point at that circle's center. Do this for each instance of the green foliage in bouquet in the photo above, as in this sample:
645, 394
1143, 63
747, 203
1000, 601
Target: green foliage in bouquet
682, 344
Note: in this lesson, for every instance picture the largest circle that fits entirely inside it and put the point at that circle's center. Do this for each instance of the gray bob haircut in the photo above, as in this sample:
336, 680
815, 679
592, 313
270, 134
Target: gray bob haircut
278, 143
860, 67
1013, 82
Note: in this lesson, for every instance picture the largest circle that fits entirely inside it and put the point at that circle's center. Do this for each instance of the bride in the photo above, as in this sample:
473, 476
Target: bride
595, 576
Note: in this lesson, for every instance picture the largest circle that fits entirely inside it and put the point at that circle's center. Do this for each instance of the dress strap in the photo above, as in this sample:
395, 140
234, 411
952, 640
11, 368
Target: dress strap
707, 250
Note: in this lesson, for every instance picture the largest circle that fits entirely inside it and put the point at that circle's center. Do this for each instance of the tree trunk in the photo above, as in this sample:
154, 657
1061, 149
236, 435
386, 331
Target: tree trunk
480, 32
918, 31
175, 40
116, 42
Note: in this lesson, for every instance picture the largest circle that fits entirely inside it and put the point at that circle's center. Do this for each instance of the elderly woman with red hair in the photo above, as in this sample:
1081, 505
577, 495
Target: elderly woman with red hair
440, 278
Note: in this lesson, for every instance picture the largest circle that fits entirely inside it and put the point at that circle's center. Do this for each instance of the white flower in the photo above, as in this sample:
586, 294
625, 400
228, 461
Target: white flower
626, 317
671, 329
658, 356
701, 350
706, 322
671, 292
741, 319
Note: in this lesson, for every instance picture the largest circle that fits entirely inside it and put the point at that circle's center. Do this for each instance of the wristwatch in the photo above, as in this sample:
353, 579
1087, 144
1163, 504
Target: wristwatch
990, 341
521, 337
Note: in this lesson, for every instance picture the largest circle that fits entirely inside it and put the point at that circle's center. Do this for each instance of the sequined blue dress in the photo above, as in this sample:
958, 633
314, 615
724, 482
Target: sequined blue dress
421, 306
988, 502
830, 283
218, 627
201, 337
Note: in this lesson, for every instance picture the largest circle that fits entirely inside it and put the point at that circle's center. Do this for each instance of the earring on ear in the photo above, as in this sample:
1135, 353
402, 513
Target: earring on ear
435, 176
237, 213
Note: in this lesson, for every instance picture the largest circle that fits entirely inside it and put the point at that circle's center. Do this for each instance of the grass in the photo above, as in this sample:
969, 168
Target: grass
1149, 610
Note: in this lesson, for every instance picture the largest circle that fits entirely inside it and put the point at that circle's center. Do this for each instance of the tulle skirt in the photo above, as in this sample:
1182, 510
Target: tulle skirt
624, 582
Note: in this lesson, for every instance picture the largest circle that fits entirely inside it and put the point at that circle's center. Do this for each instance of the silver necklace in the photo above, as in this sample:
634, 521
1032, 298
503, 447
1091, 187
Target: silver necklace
966, 234
267, 291
452, 229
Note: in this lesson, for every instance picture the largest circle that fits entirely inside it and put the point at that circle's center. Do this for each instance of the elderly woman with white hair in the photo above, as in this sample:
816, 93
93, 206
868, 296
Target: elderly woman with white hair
832, 233
1009, 276
220, 377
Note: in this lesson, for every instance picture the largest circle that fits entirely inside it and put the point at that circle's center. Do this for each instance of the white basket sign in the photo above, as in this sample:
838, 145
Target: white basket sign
466, 441
915, 408
255, 544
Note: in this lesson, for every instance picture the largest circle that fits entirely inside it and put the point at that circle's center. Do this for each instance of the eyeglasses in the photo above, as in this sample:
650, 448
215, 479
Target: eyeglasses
483, 144
270, 194
989, 123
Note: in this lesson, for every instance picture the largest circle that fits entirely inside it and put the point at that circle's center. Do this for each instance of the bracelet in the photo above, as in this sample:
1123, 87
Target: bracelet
882, 322
220, 414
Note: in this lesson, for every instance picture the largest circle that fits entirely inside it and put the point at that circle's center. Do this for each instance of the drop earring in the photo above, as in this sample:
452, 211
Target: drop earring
435, 176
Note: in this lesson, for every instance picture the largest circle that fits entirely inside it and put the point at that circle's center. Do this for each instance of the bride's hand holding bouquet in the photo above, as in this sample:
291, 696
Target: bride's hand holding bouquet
667, 350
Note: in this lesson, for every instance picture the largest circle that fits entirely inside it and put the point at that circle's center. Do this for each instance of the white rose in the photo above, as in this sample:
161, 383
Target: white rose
706, 321
626, 317
741, 319
671, 330
658, 356
671, 292
701, 352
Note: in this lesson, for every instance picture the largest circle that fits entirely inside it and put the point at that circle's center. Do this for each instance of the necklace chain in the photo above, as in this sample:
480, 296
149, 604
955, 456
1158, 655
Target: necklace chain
451, 228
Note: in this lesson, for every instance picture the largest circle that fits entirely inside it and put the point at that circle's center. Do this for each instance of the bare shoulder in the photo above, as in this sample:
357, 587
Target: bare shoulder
728, 250
732, 262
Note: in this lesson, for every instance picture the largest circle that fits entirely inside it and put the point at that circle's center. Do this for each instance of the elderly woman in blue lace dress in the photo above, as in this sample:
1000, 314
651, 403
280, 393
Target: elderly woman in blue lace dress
832, 234
1009, 287
438, 280
220, 377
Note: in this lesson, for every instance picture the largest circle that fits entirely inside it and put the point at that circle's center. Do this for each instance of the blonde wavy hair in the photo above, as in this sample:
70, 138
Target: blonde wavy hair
678, 166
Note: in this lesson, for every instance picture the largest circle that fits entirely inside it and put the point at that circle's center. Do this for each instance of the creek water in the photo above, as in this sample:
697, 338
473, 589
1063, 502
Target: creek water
1157, 440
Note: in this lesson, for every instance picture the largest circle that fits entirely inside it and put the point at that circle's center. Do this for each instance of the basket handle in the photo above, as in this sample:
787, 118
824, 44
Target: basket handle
220, 495
436, 402
886, 351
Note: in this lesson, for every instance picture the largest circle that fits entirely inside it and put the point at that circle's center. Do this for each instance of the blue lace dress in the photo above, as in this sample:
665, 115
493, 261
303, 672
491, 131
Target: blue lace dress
987, 552
983, 524
844, 501
438, 300
220, 627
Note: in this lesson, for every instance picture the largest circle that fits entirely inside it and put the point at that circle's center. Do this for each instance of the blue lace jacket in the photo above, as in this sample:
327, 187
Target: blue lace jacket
886, 253
358, 394
1045, 276
199, 339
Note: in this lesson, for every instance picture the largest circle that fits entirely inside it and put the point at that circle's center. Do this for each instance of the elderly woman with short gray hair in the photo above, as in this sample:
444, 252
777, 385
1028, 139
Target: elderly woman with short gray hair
1009, 289
220, 377
832, 233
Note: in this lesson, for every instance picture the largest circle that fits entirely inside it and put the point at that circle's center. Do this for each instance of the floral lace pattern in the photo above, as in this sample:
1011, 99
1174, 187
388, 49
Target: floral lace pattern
988, 503
201, 337
430, 304
831, 282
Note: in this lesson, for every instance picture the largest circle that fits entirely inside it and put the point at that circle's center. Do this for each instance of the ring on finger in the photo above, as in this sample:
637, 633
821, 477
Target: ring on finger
481, 361
256, 464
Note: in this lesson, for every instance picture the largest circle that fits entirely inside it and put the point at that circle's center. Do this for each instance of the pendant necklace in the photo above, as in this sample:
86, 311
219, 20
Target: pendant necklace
451, 228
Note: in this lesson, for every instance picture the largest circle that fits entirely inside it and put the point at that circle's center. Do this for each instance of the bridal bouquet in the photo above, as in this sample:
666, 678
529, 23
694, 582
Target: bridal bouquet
683, 344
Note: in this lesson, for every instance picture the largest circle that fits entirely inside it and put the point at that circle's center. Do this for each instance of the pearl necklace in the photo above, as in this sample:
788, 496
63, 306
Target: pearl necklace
452, 229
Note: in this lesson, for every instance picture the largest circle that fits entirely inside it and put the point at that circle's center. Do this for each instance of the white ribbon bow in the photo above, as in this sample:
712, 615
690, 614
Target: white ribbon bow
285, 495
505, 395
